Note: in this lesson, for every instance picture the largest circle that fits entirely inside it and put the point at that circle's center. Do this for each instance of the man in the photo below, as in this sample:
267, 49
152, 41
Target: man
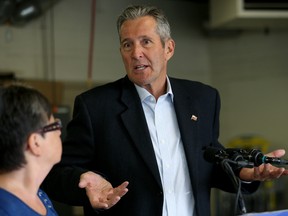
148, 129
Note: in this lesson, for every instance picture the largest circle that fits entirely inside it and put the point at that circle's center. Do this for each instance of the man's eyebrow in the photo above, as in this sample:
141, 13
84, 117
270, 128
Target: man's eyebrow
124, 40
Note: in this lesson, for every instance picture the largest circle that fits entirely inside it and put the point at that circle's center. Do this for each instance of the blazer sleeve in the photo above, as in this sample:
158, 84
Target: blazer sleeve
218, 171
73, 162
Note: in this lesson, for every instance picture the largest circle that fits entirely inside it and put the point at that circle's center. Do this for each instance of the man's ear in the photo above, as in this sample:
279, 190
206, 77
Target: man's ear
33, 144
170, 47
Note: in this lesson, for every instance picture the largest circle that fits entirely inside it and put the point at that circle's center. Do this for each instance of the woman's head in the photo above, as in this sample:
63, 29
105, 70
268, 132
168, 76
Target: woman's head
23, 110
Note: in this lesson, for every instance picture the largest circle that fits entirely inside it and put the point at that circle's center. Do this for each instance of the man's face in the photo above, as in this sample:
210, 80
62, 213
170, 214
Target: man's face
144, 56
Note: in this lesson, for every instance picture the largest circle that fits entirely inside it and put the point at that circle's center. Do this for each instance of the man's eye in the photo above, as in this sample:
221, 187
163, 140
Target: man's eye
126, 46
146, 41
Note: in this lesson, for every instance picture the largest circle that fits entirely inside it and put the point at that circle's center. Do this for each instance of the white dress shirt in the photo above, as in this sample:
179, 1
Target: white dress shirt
168, 147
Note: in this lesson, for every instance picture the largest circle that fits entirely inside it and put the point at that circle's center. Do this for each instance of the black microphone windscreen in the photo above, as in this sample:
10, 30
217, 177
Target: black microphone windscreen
212, 154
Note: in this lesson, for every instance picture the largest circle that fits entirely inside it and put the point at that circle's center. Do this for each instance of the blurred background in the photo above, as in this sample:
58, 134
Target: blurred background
240, 47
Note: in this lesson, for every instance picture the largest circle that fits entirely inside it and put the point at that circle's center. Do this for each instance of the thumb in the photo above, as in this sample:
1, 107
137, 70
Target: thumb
276, 153
82, 183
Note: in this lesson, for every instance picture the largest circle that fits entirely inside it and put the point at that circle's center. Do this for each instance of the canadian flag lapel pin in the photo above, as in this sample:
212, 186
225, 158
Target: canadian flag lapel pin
194, 118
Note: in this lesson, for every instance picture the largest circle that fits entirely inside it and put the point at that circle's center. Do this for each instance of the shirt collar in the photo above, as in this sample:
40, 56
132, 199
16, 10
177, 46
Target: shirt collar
143, 93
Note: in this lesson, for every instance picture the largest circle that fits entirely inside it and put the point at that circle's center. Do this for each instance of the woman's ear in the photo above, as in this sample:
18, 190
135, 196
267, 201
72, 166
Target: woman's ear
33, 144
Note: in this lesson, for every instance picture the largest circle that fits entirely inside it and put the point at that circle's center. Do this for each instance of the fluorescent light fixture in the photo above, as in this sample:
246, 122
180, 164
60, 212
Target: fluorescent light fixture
27, 11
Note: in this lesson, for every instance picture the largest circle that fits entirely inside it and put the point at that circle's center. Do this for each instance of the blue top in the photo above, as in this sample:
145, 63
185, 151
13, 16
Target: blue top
10, 205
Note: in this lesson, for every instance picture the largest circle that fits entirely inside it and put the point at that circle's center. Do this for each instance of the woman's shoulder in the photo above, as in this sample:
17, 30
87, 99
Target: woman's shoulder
11, 205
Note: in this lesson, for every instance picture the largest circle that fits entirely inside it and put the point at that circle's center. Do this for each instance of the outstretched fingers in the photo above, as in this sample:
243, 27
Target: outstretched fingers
114, 195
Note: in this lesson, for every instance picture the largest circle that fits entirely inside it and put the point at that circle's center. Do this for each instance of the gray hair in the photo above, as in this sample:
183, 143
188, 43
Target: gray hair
137, 11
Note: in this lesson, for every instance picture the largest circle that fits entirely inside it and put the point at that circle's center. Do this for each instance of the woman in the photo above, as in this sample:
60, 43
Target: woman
30, 145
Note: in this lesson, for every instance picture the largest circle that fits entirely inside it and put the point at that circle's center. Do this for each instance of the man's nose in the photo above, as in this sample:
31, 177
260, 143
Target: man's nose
137, 51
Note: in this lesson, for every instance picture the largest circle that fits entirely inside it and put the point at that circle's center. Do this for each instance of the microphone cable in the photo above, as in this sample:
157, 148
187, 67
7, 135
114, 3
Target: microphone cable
239, 200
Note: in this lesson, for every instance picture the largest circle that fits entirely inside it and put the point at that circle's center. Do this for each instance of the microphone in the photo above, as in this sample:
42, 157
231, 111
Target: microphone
258, 158
245, 158
234, 156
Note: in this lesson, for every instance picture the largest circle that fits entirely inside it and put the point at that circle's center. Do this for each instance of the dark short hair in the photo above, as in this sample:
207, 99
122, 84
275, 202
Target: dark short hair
23, 110
137, 11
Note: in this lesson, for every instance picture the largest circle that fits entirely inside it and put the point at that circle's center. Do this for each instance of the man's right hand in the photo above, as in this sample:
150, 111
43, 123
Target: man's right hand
100, 192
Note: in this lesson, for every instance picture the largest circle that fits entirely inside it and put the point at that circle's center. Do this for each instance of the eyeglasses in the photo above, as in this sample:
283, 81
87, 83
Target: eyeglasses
57, 125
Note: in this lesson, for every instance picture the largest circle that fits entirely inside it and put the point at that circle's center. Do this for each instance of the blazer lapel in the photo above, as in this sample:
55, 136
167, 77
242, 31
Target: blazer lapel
134, 121
188, 120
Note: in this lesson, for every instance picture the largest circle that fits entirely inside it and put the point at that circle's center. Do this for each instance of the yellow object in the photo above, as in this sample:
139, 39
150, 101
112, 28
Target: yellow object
249, 142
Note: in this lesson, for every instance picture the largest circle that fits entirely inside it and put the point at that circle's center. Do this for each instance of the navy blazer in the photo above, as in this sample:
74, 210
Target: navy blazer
109, 135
